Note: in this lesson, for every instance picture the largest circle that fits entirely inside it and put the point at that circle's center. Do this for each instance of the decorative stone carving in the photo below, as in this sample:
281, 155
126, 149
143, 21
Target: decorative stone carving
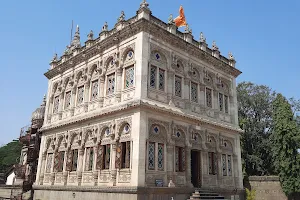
214, 46
75, 44
122, 17
144, 4
202, 38
90, 36
231, 57
105, 27
54, 59
187, 29
171, 20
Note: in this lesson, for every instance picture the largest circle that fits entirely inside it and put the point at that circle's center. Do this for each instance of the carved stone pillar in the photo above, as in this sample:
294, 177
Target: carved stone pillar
170, 85
235, 173
73, 100
43, 168
202, 95
49, 113
86, 95
113, 164
119, 84
61, 103
186, 92
95, 172
101, 93
170, 164
80, 165
219, 167
188, 173
215, 100
53, 169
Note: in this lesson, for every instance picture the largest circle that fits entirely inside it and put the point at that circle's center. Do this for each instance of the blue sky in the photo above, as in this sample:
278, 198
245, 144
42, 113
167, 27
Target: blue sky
263, 36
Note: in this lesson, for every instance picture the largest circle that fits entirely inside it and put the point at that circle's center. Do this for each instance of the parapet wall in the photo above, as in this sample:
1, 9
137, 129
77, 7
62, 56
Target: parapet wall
266, 187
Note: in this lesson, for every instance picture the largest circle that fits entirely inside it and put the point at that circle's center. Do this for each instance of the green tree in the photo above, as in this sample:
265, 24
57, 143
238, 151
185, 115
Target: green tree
255, 118
9, 155
285, 142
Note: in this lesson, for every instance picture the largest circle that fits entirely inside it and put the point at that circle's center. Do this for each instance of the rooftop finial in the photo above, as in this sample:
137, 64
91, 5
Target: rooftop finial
105, 27
144, 4
230, 56
122, 16
54, 59
187, 29
171, 20
202, 38
90, 35
44, 100
214, 46
67, 50
76, 40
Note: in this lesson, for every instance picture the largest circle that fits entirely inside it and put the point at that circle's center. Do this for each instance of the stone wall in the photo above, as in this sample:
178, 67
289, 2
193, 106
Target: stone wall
6, 191
266, 187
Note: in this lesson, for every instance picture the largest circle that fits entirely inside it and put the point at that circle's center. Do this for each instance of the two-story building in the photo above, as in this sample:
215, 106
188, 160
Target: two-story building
143, 111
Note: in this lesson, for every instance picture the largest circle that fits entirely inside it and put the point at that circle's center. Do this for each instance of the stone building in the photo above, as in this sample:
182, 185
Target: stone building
143, 111
23, 173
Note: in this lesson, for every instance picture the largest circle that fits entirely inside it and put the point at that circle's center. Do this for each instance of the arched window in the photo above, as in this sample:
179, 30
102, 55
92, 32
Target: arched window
156, 148
157, 71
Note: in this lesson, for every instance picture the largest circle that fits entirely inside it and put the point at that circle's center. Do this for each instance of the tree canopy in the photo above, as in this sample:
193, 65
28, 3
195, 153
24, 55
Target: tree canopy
285, 143
9, 155
255, 118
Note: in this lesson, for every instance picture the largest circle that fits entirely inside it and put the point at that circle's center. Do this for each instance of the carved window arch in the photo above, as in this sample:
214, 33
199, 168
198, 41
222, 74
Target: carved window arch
194, 85
156, 148
157, 71
55, 96
180, 153
104, 148
110, 83
212, 157
94, 82
223, 95
80, 78
75, 139
124, 146
227, 154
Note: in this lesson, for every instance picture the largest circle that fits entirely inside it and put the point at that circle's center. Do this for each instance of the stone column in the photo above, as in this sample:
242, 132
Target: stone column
119, 84
219, 167
95, 172
73, 100
101, 93
186, 92
49, 113
80, 165
86, 95
65, 172
188, 173
170, 164
61, 103
233, 105
201, 95
113, 169
215, 100
52, 177
170, 85
237, 161
42, 170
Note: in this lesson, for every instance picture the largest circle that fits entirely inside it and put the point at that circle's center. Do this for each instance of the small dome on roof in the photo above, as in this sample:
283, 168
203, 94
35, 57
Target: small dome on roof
39, 113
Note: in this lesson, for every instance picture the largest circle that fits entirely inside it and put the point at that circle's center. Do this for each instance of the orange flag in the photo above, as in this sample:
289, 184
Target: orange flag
180, 20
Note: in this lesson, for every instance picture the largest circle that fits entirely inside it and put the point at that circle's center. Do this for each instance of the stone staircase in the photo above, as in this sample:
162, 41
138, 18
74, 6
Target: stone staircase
205, 195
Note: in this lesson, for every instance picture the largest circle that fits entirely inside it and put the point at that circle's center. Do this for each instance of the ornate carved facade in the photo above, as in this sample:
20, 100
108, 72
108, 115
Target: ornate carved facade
143, 103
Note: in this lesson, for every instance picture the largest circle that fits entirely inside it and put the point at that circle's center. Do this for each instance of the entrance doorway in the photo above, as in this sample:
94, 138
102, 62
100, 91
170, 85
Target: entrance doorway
196, 168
